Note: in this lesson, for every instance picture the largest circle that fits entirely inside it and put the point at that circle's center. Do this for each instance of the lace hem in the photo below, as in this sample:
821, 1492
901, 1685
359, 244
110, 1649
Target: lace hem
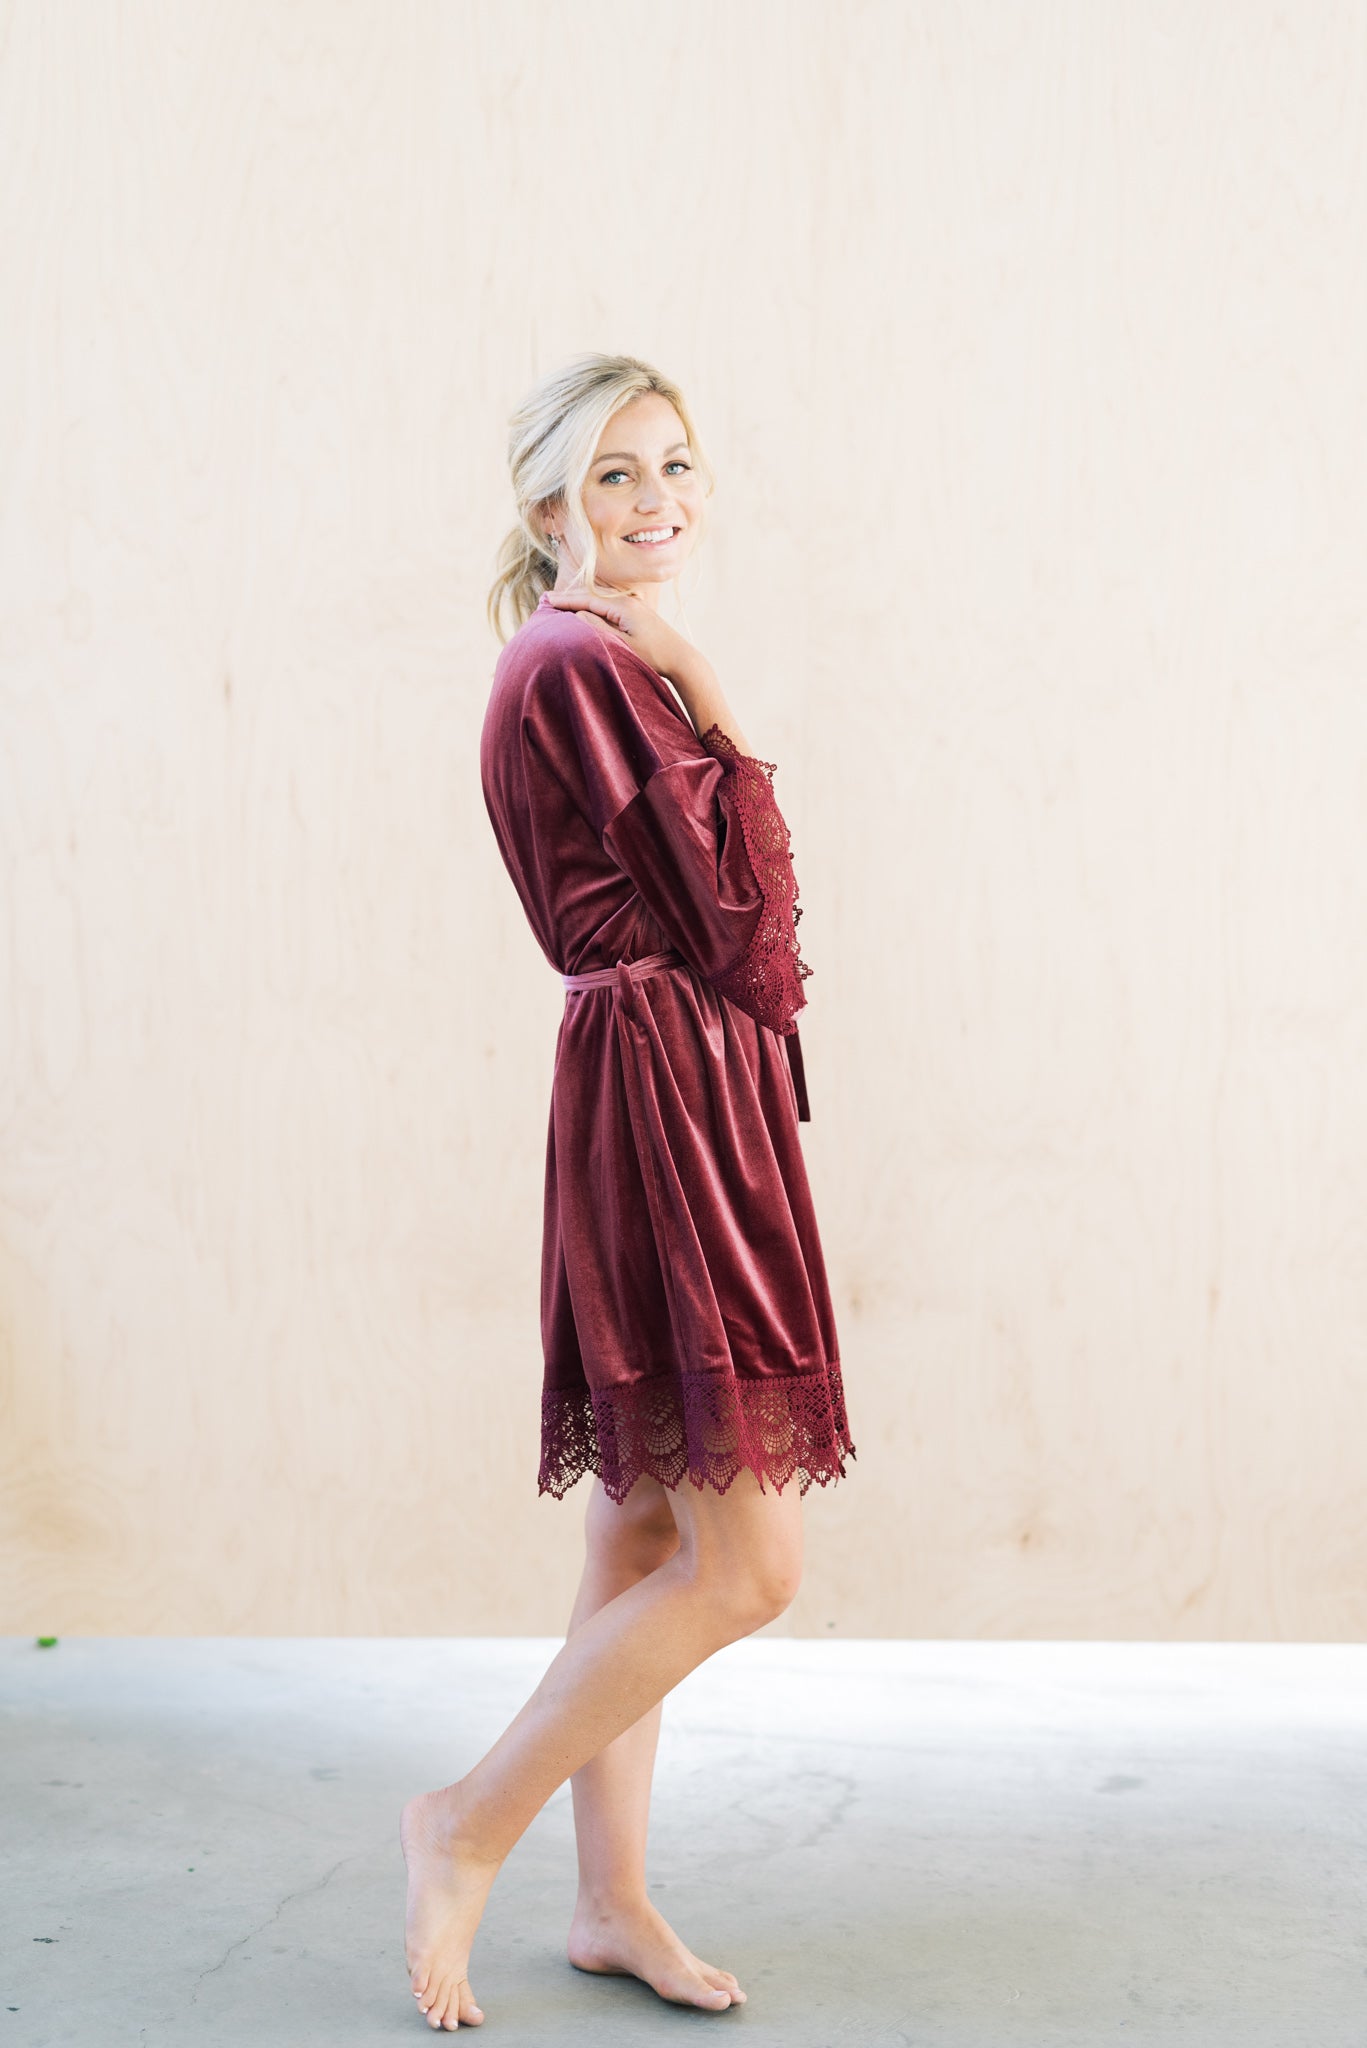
794, 1425
767, 978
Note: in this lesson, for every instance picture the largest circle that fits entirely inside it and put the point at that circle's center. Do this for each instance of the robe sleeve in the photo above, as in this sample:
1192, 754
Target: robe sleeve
696, 826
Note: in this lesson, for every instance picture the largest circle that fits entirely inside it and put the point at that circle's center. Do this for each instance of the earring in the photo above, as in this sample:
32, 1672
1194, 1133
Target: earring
554, 539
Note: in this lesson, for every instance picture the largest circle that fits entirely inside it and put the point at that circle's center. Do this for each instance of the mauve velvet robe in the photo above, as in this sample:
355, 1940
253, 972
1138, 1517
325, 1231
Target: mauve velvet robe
686, 1318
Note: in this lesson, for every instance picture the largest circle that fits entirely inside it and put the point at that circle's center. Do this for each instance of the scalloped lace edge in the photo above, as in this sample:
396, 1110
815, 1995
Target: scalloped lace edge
779, 1427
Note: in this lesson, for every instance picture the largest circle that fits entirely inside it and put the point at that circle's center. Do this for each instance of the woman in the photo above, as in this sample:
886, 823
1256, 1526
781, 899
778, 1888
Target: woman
685, 1314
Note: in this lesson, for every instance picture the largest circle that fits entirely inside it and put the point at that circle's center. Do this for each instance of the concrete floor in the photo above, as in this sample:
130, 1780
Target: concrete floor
951, 1845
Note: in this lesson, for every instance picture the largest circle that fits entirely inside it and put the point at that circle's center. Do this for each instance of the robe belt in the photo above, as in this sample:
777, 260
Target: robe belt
636, 970
628, 971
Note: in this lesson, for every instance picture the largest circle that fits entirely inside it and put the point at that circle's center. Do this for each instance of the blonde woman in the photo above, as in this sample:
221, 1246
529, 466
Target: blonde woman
685, 1313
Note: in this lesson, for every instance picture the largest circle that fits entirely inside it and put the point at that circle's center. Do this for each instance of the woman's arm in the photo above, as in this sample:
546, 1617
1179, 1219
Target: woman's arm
701, 695
664, 649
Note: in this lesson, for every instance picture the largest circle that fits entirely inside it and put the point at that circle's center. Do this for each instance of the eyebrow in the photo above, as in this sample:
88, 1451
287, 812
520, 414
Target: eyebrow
621, 455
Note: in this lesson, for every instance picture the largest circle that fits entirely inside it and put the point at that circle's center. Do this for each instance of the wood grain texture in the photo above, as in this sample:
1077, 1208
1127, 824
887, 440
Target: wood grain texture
1027, 344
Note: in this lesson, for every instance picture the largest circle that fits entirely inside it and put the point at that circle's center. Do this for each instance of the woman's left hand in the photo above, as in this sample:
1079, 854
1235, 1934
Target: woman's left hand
639, 624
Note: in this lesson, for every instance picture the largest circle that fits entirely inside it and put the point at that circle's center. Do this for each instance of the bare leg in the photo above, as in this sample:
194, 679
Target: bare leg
617, 1930
738, 1564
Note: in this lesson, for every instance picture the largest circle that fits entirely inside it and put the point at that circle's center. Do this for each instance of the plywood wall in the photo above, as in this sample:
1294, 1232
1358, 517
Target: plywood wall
1028, 344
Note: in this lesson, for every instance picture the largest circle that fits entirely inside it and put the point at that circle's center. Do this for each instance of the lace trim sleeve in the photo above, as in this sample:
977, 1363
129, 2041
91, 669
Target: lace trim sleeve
767, 978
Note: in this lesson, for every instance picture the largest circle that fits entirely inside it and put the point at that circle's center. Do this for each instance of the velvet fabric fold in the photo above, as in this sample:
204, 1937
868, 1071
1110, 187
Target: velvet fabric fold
686, 1319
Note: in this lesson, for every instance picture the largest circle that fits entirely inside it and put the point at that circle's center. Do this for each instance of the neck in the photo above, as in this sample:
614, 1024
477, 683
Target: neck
645, 593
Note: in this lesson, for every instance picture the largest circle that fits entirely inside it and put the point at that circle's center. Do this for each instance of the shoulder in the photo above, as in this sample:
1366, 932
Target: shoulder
552, 641
573, 657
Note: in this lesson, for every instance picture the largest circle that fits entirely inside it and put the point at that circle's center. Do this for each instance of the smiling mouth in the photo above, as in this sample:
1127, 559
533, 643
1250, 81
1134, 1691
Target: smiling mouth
658, 537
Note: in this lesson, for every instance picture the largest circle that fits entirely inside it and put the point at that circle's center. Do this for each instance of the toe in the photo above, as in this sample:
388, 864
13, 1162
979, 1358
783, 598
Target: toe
448, 2008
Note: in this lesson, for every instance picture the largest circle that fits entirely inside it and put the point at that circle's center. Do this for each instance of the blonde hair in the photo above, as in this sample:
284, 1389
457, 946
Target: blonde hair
552, 436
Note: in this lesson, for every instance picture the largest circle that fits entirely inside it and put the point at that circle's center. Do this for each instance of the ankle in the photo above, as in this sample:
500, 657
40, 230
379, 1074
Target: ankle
610, 1902
454, 1814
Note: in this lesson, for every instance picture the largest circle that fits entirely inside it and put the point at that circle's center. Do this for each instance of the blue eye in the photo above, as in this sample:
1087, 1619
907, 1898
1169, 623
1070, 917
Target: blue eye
677, 463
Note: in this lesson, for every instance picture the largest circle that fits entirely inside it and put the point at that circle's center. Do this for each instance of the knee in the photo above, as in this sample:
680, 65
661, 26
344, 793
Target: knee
776, 1587
750, 1593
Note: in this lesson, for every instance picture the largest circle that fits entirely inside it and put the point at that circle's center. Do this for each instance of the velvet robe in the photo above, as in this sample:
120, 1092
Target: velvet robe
686, 1320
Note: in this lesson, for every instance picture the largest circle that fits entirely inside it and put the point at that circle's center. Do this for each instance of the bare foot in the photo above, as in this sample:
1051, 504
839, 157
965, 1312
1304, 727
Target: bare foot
447, 1890
637, 1941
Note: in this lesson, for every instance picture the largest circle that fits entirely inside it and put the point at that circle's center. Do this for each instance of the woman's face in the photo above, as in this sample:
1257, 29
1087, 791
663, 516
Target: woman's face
641, 483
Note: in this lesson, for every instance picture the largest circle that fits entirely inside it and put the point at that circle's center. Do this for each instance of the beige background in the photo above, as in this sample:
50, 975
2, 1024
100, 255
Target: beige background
1028, 343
